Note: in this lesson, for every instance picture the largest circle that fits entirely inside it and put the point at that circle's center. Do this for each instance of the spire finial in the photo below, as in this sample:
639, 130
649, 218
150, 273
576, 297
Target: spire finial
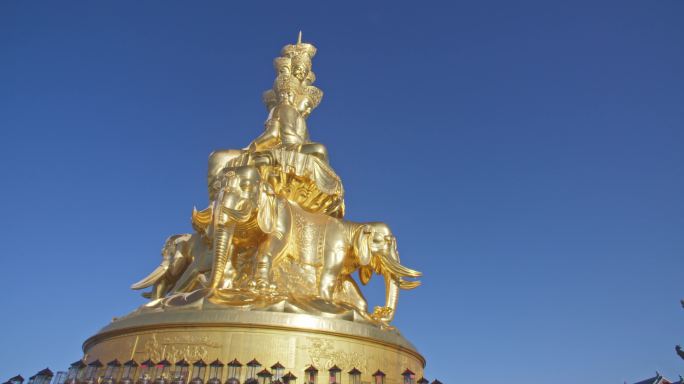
299, 38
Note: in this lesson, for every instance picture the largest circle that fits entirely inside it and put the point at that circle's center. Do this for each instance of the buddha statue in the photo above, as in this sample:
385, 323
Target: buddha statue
290, 103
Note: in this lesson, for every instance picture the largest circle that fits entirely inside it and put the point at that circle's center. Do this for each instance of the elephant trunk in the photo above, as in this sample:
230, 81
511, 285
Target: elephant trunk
223, 236
230, 208
391, 287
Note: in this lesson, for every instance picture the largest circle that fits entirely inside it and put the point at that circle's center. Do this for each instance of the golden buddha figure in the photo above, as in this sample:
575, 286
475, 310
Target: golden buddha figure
290, 103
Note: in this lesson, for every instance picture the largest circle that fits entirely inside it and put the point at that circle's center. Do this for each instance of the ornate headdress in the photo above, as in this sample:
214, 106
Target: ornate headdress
310, 78
312, 94
280, 63
301, 60
269, 99
286, 83
300, 49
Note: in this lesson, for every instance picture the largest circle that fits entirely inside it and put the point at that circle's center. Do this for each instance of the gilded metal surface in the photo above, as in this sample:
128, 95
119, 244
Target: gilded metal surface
273, 237
294, 340
267, 271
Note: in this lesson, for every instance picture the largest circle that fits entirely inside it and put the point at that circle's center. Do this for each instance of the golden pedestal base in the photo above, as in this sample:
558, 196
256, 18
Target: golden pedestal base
294, 340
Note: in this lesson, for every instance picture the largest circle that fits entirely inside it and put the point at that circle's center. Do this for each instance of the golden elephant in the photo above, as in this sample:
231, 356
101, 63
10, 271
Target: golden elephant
175, 260
248, 213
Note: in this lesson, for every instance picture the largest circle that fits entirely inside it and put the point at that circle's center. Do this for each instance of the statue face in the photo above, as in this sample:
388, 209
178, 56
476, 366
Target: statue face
286, 97
300, 72
304, 107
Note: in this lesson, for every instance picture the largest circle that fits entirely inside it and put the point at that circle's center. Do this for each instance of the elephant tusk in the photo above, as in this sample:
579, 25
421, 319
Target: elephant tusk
403, 284
398, 269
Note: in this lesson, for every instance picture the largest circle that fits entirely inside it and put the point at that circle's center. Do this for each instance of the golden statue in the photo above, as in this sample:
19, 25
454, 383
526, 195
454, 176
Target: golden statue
259, 232
290, 102
273, 249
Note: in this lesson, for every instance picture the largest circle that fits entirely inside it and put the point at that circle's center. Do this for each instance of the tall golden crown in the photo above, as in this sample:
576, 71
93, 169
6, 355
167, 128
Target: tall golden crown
299, 49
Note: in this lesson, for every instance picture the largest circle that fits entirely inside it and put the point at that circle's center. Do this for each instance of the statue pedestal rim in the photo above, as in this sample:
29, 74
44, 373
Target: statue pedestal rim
236, 318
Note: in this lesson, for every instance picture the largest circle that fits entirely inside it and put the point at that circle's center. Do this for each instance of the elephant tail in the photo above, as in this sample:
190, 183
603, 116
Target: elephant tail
153, 277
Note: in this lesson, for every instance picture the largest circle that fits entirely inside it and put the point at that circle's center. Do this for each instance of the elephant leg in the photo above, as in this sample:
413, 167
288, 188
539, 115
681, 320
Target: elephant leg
354, 295
268, 250
329, 282
160, 289
187, 281
201, 263
335, 251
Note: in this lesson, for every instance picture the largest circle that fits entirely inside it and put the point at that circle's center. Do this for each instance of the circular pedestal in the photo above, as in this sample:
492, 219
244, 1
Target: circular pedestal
294, 340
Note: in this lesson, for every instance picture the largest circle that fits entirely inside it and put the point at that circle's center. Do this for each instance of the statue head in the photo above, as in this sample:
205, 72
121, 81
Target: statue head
309, 98
301, 66
286, 88
244, 190
240, 192
299, 48
282, 65
375, 238
300, 55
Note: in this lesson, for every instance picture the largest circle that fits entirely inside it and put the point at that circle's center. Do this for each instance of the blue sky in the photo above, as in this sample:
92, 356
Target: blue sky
527, 154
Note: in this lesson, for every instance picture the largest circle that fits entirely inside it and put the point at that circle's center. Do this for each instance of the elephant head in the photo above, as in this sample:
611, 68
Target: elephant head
376, 249
240, 198
175, 259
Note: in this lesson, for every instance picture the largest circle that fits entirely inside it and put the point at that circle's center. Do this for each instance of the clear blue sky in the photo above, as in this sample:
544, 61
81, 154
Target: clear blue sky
528, 155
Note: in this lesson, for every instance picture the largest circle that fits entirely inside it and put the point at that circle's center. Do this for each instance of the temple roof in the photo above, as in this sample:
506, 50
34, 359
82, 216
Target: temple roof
147, 363
234, 363
657, 379
199, 363
216, 363
114, 363
165, 363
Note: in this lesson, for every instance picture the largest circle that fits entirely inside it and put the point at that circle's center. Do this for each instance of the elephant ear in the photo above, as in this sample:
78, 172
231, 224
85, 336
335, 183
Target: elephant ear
267, 209
202, 219
362, 245
365, 274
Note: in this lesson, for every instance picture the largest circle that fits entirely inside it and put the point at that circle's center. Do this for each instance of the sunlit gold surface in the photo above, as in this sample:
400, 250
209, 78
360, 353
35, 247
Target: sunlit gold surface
268, 272
273, 236
294, 340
